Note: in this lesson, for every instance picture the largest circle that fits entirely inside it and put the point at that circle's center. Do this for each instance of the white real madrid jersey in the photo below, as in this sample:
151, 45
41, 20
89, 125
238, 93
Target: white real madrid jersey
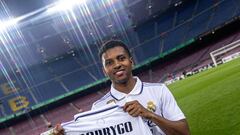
108, 120
155, 97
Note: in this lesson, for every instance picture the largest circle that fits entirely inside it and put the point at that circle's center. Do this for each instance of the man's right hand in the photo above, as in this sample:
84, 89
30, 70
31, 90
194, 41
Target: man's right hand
58, 130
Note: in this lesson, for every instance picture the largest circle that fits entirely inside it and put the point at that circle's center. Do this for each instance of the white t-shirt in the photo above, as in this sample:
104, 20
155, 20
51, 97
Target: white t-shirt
153, 96
108, 120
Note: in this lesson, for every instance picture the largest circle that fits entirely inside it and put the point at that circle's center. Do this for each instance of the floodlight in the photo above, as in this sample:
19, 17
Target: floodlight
65, 5
6, 24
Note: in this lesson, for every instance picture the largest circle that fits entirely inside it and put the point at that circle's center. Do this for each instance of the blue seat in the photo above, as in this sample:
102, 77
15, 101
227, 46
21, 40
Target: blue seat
199, 24
204, 4
48, 90
175, 37
96, 71
184, 13
39, 73
77, 79
224, 12
238, 7
138, 11
88, 54
148, 49
130, 38
146, 31
159, 5
165, 22
64, 65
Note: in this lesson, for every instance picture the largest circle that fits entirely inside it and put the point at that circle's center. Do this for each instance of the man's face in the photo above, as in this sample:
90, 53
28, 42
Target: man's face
117, 65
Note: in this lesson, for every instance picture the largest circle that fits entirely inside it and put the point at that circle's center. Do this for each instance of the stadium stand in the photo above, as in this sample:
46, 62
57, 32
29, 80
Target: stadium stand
137, 8
158, 36
60, 67
199, 24
142, 51
223, 14
61, 111
175, 37
74, 79
148, 28
39, 73
5, 131
165, 22
184, 13
202, 5
85, 103
95, 71
53, 88
32, 123
187, 62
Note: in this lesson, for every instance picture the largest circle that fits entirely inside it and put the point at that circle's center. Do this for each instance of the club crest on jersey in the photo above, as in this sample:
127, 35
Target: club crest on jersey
111, 101
151, 106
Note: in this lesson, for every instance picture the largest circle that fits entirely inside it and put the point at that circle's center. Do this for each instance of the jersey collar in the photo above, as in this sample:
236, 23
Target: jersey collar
135, 91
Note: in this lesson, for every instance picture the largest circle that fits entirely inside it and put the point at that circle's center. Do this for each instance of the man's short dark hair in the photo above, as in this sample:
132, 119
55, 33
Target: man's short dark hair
111, 44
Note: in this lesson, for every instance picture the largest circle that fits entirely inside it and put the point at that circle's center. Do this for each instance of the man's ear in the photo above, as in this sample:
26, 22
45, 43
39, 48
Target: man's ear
131, 60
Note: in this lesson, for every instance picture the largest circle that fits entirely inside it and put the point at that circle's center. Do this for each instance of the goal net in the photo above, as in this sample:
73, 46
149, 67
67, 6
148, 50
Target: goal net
226, 53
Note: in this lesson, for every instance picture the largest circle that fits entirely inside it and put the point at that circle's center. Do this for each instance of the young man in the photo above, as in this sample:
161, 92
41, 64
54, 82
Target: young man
152, 101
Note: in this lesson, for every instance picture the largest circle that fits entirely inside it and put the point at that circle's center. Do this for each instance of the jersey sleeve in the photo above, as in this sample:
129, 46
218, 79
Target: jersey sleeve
170, 109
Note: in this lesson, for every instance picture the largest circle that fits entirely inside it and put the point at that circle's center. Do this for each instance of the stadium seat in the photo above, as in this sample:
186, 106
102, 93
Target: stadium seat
65, 65
237, 2
77, 79
175, 37
36, 130
84, 103
146, 32
223, 14
147, 49
54, 46
159, 5
204, 5
165, 22
184, 13
40, 73
130, 38
5, 131
139, 7
199, 24
96, 71
28, 125
59, 115
52, 88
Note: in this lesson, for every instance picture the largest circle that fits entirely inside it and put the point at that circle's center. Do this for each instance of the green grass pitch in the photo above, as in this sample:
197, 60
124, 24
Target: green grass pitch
211, 100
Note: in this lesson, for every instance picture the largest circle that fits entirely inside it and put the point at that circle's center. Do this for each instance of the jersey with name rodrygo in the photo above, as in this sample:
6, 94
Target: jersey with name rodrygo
156, 97
107, 120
